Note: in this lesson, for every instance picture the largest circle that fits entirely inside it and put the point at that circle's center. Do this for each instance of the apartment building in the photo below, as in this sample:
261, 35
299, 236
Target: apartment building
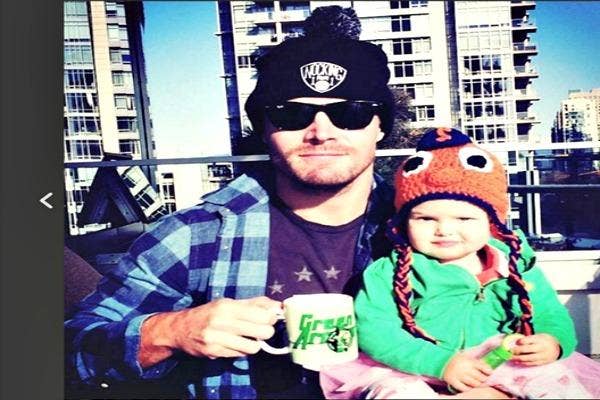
105, 97
463, 63
579, 112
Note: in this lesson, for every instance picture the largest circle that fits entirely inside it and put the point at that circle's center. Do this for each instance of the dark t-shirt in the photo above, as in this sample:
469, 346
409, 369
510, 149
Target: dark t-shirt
304, 257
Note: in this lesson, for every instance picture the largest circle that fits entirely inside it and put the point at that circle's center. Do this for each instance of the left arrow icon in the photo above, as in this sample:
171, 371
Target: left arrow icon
44, 202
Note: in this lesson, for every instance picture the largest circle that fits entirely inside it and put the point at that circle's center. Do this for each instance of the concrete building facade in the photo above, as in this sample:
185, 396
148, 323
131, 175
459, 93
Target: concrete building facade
579, 112
463, 63
106, 106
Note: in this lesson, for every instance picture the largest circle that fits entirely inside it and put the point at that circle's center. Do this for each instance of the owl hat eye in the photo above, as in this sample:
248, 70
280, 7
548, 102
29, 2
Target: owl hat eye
417, 163
475, 159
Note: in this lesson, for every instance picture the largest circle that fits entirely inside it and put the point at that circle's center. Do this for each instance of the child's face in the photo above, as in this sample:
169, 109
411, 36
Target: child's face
448, 230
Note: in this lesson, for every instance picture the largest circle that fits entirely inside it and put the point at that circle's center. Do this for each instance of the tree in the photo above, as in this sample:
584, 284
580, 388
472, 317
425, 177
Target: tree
401, 137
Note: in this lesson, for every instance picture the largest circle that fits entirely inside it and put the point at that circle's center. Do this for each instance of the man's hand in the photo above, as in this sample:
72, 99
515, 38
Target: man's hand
221, 328
537, 349
464, 372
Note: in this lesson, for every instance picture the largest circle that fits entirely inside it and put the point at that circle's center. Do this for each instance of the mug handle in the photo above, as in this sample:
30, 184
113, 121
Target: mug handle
275, 350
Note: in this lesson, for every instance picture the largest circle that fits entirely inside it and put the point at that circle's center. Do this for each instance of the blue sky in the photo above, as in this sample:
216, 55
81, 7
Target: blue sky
183, 62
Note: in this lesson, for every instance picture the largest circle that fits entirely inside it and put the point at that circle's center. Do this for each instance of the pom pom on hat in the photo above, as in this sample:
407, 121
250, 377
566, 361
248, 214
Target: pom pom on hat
333, 22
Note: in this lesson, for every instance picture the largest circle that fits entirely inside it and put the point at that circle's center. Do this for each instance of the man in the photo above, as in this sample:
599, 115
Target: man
188, 302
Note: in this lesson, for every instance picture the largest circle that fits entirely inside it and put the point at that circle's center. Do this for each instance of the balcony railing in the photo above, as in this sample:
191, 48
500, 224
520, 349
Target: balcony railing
521, 46
526, 116
523, 23
294, 15
573, 271
526, 93
522, 3
525, 70
262, 17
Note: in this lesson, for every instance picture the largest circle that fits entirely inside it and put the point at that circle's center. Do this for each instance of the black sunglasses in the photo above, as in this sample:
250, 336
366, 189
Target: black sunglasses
293, 116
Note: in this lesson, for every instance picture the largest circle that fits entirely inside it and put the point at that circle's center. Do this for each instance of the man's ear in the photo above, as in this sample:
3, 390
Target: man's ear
380, 135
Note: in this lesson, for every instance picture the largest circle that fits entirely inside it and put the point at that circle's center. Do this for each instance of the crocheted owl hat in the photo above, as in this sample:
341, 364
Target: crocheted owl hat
448, 165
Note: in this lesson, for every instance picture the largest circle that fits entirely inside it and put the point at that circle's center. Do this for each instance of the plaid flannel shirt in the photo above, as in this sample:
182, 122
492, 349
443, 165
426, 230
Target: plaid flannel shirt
216, 249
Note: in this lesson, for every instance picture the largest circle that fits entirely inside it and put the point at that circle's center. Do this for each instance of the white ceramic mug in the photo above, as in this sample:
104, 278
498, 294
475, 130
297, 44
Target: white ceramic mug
321, 329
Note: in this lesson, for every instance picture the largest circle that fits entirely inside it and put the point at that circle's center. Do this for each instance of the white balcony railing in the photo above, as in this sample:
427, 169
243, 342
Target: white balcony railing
521, 46
523, 23
294, 15
575, 275
526, 93
525, 70
526, 116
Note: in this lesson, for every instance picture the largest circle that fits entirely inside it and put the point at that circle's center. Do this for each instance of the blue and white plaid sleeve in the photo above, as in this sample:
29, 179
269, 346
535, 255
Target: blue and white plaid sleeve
103, 337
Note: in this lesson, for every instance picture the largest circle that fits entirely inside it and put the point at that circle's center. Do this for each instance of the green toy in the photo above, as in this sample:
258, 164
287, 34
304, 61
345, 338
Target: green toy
497, 356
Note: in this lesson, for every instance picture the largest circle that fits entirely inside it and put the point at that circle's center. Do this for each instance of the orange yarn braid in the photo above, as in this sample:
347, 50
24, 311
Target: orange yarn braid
403, 292
516, 282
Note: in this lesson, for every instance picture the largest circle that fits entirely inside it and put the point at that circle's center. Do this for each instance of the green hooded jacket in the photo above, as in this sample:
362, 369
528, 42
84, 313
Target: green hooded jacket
451, 305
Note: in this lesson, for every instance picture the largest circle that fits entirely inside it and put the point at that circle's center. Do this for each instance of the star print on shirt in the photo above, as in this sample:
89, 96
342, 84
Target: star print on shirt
303, 275
332, 273
276, 287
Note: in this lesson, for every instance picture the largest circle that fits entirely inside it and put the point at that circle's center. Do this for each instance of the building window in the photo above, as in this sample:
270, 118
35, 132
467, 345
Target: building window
482, 63
130, 146
294, 5
400, 23
168, 191
76, 31
81, 102
408, 88
132, 176
409, 3
126, 124
78, 54
115, 55
404, 69
424, 113
485, 109
418, 91
171, 207
220, 171
75, 8
512, 158
124, 101
488, 134
79, 79
83, 149
411, 46
146, 197
120, 56
115, 9
80, 124
122, 78
488, 87
80, 194
402, 46
117, 32
424, 91
246, 61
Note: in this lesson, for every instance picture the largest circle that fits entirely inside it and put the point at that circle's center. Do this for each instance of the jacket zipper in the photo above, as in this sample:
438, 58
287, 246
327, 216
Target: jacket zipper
480, 295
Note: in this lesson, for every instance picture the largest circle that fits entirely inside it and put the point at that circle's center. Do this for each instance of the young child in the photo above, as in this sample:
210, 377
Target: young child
457, 282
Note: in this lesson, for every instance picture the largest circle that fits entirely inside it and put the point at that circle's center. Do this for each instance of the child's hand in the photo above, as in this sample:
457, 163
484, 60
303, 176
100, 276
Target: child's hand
464, 372
537, 349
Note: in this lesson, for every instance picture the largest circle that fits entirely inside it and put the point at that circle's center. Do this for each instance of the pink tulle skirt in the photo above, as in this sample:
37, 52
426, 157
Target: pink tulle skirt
575, 377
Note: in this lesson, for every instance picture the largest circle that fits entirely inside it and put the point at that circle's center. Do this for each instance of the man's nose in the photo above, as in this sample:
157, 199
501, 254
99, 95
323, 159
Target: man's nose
321, 129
